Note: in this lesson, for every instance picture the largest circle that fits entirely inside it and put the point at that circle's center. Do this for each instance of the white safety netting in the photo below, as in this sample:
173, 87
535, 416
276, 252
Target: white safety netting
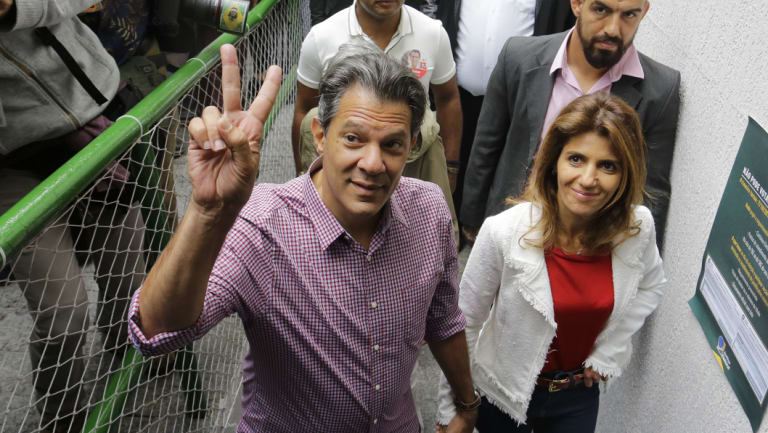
63, 299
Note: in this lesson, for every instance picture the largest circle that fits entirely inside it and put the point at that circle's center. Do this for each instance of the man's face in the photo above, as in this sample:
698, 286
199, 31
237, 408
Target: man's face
607, 27
381, 9
364, 151
415, 57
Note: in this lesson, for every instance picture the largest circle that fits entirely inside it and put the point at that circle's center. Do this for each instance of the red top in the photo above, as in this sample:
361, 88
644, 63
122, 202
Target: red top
582, 292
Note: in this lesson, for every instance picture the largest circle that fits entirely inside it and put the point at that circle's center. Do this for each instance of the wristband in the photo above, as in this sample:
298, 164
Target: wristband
467, 407
453, 164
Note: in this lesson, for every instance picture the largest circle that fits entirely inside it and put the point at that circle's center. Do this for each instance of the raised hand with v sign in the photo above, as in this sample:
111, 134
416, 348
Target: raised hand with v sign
223, 164
225, 147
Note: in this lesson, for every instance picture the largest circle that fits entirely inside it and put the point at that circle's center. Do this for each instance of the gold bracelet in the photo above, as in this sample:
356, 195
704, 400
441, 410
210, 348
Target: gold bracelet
453, 170
466, 407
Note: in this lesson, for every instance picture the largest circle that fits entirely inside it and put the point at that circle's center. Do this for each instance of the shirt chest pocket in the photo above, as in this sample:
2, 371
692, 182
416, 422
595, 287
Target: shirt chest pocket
414, 302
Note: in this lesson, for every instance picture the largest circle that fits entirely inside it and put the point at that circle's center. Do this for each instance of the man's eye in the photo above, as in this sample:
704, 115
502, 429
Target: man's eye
630, 14
600, 9
393, 144
350, 138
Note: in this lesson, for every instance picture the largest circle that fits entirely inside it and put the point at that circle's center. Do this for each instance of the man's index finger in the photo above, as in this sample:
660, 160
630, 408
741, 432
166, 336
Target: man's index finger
230, 79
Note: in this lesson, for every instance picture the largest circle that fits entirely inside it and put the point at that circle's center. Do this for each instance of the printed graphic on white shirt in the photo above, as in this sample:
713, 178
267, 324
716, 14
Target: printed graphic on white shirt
413, 60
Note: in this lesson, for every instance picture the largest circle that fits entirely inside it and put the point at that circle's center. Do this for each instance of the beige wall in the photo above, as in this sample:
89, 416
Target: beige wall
721, 48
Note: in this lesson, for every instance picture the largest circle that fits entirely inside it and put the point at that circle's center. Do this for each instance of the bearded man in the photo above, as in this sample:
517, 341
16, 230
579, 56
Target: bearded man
536, 77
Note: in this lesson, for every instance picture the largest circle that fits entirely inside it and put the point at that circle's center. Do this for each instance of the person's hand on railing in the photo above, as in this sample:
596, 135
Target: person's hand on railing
224, 149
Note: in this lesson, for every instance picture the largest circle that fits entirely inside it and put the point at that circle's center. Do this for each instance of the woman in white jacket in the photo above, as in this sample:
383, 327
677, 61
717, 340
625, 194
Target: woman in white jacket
555, 286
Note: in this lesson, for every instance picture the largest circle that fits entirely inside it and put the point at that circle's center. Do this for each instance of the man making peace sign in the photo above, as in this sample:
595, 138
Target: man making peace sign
337, 275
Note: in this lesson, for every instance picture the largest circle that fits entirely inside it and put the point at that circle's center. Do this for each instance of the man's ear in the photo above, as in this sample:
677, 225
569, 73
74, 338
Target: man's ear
414, 140
576, 7
645, 8
318, 133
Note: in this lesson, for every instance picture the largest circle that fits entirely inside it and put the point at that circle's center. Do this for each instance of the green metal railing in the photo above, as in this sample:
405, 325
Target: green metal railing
33, 213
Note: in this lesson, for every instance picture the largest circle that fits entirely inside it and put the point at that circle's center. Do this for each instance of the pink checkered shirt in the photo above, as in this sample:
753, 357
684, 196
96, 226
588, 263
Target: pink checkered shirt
334, 330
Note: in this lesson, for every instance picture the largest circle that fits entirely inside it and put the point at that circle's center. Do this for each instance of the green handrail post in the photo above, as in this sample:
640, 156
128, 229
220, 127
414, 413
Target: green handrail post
103, 415
195, 404
157, 219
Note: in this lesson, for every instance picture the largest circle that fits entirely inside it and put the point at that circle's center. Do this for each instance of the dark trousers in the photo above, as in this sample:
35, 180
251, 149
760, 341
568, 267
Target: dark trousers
470, 111
568, 411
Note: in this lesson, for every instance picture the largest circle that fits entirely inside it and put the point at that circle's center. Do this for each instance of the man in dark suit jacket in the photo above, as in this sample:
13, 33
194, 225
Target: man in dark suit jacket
520, 91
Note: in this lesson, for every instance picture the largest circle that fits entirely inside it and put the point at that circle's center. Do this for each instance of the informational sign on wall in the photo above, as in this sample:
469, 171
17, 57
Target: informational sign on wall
731, 300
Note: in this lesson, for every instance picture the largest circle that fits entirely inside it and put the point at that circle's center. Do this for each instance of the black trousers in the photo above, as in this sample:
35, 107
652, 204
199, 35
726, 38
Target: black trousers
470, 111
568, 411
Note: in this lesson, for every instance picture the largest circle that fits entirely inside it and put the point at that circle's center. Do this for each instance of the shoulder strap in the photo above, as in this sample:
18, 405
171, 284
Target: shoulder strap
49, 39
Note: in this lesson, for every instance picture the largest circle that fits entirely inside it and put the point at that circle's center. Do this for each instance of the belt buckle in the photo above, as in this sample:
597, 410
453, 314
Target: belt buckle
554, 382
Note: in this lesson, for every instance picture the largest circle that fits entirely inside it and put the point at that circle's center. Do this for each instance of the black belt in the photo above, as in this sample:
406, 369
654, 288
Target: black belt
561, 380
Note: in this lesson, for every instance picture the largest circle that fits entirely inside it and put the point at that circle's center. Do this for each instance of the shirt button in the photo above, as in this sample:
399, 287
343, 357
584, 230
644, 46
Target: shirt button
374, 304
369, 258
375, 420
375, 347
377, 387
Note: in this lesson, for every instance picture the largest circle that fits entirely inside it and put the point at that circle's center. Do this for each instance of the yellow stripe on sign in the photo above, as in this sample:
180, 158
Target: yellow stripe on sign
719, 361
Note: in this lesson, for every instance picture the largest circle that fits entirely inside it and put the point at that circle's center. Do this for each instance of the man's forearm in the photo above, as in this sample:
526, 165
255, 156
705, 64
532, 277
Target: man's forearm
172, 295
453, 357
450, 120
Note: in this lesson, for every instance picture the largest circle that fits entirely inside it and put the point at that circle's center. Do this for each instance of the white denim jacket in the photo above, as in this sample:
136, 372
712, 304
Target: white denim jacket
507, 301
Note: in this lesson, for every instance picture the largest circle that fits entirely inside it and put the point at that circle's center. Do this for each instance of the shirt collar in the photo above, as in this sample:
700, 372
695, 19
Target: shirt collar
326, 225
403, 28
629, 64
396, 207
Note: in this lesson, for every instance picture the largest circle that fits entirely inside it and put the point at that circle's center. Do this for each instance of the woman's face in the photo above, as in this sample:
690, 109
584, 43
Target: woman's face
588, 175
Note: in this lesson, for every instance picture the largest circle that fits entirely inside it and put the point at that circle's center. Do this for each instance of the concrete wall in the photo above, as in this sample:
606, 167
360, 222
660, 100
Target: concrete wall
721, 48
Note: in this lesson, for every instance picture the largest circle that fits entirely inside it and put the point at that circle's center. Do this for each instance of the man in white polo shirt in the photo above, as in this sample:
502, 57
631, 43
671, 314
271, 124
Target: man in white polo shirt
419, 42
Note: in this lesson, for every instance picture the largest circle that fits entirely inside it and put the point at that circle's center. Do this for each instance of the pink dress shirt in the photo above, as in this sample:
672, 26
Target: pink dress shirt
567, 88
334, 330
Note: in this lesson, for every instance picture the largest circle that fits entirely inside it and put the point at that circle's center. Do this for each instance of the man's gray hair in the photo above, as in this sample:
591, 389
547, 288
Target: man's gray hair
371, 69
